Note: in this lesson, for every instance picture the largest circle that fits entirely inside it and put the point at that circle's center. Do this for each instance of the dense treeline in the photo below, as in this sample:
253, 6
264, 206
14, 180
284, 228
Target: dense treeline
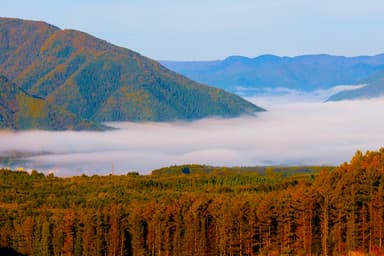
195, 210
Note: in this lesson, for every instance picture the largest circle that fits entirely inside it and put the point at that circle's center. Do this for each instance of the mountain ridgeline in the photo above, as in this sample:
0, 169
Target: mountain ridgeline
102, 82
303, 73
373, 88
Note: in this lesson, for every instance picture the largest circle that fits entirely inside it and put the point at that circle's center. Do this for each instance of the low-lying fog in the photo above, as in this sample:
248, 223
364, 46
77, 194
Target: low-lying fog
305, 133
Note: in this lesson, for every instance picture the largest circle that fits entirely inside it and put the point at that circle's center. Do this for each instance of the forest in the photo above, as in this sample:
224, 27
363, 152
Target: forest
198, 210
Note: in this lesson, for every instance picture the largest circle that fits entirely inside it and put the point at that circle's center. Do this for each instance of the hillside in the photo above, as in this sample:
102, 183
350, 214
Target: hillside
374, 87
103, 82
303, 73
223, 212
19, 110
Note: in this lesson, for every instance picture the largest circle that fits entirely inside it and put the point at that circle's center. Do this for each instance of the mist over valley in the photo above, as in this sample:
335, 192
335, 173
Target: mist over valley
291, 132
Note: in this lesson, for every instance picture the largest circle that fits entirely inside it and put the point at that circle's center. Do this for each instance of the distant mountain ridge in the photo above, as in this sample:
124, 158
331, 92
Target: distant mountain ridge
303, 73
102, 82
373, 88
19, 110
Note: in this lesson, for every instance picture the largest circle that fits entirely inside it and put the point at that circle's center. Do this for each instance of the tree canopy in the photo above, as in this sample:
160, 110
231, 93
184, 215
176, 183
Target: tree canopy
198, 210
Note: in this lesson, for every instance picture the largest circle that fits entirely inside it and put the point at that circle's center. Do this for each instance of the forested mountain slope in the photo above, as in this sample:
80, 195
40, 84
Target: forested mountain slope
19, 110
103, 82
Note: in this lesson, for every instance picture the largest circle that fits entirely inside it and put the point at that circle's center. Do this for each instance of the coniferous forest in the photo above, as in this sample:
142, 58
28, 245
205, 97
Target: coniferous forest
198, 210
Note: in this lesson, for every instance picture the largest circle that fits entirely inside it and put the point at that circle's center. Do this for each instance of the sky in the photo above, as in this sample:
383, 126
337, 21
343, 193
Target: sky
305, 133
215, 29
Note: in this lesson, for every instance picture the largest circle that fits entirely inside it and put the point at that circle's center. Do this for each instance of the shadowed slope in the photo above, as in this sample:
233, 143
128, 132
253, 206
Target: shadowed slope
19, 110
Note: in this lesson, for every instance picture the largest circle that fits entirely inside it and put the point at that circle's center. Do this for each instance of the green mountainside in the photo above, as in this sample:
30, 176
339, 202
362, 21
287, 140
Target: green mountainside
19, 110
103, 82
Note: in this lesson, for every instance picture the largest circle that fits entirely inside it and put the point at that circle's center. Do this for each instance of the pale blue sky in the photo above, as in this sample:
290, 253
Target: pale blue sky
215, 29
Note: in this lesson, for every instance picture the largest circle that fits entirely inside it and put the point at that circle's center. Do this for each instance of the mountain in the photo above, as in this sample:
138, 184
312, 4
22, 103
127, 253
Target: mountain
374, 87
19, 110
103, 82
303, 73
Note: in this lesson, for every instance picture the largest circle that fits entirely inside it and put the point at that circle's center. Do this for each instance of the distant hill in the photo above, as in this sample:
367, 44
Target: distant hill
103, 82
19, 110
304, 73
196, 169
374, 87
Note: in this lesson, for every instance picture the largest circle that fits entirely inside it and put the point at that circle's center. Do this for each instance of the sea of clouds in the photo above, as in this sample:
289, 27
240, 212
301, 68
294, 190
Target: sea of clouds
292, 132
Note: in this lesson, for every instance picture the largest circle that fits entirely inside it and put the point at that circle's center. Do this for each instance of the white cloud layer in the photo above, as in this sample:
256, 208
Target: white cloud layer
270, 97
289, 133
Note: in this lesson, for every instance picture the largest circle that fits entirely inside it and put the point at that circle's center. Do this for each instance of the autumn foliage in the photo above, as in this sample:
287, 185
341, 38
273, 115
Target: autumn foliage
336, 211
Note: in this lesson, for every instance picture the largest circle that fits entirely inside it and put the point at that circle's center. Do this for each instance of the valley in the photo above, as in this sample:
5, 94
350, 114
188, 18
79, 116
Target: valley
183, 128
